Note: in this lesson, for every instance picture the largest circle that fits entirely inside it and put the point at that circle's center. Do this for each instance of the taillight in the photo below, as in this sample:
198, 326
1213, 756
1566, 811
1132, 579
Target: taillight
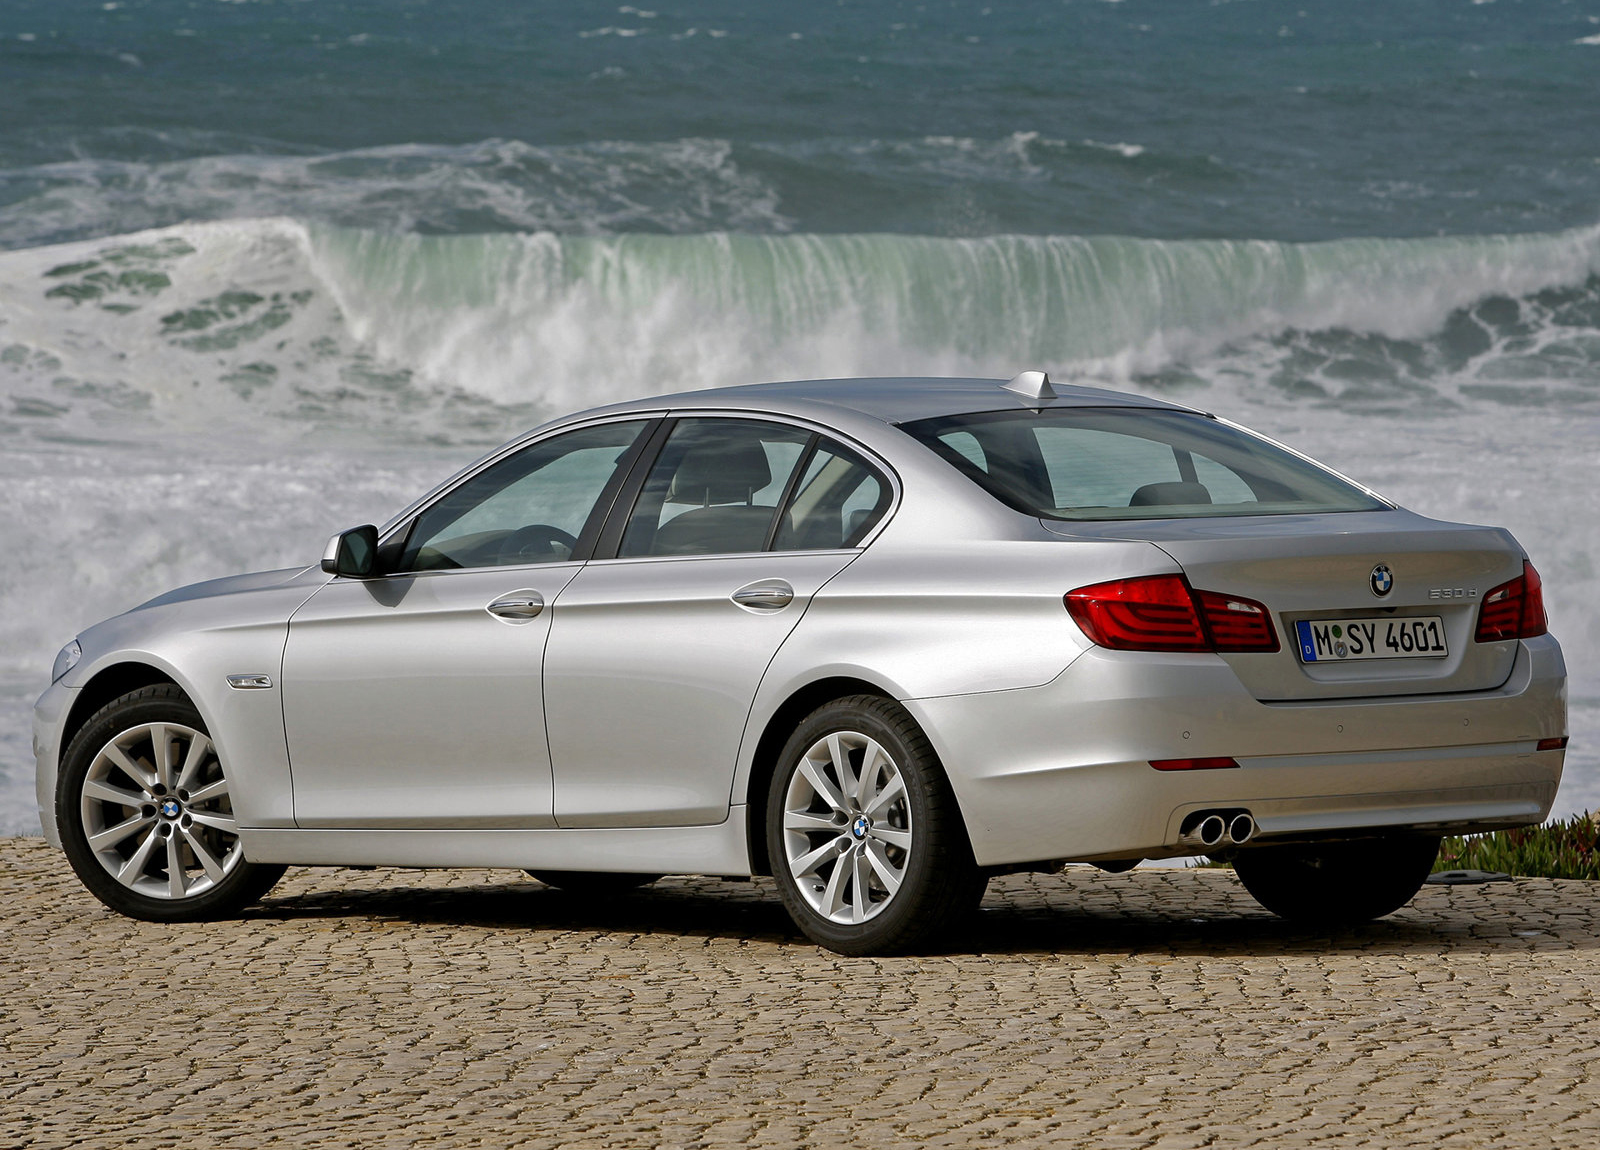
1163, 613
1151, 613
1237, 624
1513, 610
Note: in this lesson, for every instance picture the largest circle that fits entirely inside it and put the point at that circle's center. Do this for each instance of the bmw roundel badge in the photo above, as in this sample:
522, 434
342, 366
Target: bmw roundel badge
1382, 580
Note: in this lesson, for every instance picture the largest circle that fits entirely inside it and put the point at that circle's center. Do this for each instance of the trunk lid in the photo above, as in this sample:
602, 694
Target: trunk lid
1321, 568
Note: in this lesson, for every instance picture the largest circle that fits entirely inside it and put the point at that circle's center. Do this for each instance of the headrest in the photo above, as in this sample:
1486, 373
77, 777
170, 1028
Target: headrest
1166, 494
721, 473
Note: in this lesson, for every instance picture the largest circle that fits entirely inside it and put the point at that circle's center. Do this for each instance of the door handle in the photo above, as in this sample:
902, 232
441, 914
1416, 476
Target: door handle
766, 595
517, 607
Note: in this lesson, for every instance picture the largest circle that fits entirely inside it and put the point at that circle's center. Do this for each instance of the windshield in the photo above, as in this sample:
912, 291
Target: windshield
1132, 463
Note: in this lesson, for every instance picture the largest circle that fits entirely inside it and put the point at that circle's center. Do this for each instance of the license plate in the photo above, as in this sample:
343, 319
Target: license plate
1385, 637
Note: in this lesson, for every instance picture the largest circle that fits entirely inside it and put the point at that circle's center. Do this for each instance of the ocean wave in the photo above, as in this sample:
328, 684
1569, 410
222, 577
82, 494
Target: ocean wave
688, 185
434, 334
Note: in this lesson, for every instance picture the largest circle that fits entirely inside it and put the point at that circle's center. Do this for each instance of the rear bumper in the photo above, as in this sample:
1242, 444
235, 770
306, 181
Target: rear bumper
1062, 771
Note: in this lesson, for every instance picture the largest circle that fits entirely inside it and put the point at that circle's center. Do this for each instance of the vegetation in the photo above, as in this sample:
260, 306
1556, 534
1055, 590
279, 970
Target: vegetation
1561, 848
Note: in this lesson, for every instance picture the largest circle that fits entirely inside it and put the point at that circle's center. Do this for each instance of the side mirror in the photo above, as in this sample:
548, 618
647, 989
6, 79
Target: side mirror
353, 553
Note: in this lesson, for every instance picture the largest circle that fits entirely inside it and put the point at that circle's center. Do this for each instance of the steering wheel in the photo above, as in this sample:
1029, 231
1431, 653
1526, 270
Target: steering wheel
536, 543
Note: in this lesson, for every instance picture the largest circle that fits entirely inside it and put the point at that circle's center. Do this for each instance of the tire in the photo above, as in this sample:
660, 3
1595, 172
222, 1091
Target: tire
866, 841
165, 846
593, 883
1337, 884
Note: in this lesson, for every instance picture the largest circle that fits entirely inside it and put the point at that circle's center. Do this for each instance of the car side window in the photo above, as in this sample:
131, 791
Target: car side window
714, 489
837, 501
528, 508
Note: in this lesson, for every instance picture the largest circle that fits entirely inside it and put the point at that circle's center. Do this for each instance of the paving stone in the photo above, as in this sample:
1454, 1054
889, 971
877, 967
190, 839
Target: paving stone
480, 1008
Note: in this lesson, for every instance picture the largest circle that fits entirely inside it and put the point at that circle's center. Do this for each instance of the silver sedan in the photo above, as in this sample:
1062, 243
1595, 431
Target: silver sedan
880, 639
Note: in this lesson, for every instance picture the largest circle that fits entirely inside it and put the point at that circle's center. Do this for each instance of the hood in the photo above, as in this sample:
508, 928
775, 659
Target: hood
237, 584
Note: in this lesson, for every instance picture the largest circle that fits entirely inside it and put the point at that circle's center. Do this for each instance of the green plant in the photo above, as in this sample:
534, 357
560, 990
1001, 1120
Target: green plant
1561, 848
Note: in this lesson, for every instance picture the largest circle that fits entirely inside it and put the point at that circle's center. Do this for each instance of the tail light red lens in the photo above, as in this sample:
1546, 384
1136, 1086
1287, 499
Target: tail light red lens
1215, 764
1237, 624
1163, 613
1151, 613
1513, 610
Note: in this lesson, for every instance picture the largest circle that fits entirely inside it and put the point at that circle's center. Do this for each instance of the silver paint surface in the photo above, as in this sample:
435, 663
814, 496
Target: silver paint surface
617, 727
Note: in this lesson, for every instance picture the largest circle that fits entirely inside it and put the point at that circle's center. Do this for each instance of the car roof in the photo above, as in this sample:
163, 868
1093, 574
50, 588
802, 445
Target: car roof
892, 399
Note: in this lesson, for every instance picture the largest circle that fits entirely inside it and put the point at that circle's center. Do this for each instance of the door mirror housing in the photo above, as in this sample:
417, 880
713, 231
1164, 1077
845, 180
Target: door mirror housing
353, 553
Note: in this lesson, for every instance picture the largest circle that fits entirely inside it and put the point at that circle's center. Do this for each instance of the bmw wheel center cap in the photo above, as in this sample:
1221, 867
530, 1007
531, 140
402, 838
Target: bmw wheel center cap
1382, 580
861, 826
170, 809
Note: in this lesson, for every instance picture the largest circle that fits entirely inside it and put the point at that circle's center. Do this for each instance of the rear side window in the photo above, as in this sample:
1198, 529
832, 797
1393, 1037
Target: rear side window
1132, 463
725, 486
715, 489
836, 502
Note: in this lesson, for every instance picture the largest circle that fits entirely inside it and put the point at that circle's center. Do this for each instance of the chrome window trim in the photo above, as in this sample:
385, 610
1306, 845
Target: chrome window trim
404, 519
720, 555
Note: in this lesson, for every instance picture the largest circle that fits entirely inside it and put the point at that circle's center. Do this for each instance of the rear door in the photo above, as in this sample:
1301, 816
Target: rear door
657, 646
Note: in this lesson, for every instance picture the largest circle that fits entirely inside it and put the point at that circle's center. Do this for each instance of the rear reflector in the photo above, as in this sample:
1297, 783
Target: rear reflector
1513, 610
1163, 613
1193, 764
1553, 744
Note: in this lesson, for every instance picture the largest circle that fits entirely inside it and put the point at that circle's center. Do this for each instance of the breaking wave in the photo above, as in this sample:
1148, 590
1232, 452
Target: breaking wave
440, 335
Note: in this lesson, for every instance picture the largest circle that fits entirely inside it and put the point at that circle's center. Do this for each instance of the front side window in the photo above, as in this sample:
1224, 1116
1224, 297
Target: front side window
528, 508
1091, 463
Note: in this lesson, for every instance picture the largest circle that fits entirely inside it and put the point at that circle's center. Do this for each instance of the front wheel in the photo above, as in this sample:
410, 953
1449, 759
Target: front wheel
146, 816
1337, 884
864, 835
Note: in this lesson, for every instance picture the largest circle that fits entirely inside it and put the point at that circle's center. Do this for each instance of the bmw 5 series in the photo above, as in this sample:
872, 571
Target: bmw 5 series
880, 639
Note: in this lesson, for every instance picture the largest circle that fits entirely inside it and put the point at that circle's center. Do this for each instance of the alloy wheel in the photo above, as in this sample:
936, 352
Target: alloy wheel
847, 827
157, 814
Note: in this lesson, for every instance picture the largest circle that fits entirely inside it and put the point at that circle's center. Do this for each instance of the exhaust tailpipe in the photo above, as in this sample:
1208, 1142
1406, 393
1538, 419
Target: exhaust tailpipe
1208, 830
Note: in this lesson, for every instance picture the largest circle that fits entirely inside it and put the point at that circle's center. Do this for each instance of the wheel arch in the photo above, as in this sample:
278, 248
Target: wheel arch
107, 684
779, 726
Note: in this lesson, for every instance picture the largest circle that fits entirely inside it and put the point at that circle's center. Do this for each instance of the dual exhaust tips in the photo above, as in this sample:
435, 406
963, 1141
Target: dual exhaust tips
1218, 829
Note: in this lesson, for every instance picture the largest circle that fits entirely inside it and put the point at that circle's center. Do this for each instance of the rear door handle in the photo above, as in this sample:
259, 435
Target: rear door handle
765, 595
517, 607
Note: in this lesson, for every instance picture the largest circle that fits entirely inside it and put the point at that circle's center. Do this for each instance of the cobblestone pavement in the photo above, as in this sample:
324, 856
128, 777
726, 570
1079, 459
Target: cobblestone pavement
479, 1008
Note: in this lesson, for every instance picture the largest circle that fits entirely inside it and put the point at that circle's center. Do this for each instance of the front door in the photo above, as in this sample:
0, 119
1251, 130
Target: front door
413, 699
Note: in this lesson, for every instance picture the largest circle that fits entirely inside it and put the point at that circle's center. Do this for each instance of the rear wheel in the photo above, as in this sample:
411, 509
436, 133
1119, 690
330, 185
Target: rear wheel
145, 811
1337, 884
865, 839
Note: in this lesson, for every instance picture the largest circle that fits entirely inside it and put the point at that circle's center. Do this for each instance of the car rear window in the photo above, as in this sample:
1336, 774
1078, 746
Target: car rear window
1133, 463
